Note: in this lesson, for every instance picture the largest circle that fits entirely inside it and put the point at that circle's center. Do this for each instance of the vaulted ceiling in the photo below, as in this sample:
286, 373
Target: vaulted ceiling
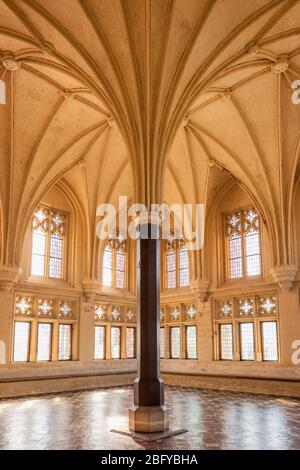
156, 99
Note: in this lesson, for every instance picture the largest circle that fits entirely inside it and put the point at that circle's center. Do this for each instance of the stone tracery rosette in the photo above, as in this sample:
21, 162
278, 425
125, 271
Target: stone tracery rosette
115, 313
225, 309
131, 315
65, 309
100, 312
245, 307
24, 305
267, 305
45, 307
190, 312
175, 313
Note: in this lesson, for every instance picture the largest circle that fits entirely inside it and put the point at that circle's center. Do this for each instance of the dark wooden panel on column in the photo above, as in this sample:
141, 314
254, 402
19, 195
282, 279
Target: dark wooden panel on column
148, 387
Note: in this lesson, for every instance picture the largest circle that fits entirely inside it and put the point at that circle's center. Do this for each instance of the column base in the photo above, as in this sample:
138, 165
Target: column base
146, 419
149, 437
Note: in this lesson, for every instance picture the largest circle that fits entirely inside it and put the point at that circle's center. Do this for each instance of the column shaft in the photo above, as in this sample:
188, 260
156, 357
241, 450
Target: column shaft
148, 387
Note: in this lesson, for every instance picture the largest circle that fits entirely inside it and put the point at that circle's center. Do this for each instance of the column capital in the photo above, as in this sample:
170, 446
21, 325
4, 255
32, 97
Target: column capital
285, 276
90, 288
200, 288
8, 276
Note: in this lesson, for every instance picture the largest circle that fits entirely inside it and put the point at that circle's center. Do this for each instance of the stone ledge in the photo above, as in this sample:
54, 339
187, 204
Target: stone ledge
43, 385
253, 385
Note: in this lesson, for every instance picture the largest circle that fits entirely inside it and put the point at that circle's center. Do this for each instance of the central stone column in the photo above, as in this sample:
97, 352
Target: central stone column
148, 414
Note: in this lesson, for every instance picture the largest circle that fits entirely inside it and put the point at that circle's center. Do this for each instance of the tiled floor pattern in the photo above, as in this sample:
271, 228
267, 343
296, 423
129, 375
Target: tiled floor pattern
215, 420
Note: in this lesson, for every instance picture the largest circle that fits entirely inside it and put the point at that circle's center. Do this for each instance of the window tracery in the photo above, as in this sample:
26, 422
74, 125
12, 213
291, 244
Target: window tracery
48, 235
242, 229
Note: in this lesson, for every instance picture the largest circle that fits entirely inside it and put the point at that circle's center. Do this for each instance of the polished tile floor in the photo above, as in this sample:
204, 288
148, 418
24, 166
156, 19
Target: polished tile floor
215, 420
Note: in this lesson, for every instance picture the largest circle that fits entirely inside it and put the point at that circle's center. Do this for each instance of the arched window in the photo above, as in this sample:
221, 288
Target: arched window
114, 263
177, 264
48, 243
243, 250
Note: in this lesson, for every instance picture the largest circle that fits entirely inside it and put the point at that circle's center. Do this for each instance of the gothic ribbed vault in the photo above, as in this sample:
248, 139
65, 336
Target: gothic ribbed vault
120, 109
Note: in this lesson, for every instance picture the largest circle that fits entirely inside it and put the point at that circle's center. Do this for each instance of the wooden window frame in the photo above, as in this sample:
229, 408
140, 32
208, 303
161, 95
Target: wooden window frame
34, 319
47, 248
186, 342
134, 341
114, 270
97, 325
236, 320
177, 270
244, 276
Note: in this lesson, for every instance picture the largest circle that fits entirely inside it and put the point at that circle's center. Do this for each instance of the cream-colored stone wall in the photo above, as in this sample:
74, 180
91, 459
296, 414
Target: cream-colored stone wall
85, 372
200, 113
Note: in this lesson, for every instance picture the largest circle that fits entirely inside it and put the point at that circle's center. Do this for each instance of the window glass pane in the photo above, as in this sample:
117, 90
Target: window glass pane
235, 258
38, 253
175, 342
130, 342
183, 277
191, 342
115, 342
183, 259
44, 342
120, 269
236, 269
56, 255
171, 270
107, 267
235, 248
99, 342
21, 341
64, 342
162, 342
226, 352
252, 254
269, 339
247, 341
183, 267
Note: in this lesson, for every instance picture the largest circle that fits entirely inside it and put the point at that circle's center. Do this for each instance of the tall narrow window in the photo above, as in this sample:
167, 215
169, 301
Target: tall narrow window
130, 343
21, 341
2, 92
269, 341
48, 233
115, 342
226, 343
191, 342
44, 342
243, 244
252, 243
175, 342
247, 341
114, 263
177, 263
120, 269
107, 267
64, 342
162, 343
38, 252
171, 270
235, 248
99, 342
183, 267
